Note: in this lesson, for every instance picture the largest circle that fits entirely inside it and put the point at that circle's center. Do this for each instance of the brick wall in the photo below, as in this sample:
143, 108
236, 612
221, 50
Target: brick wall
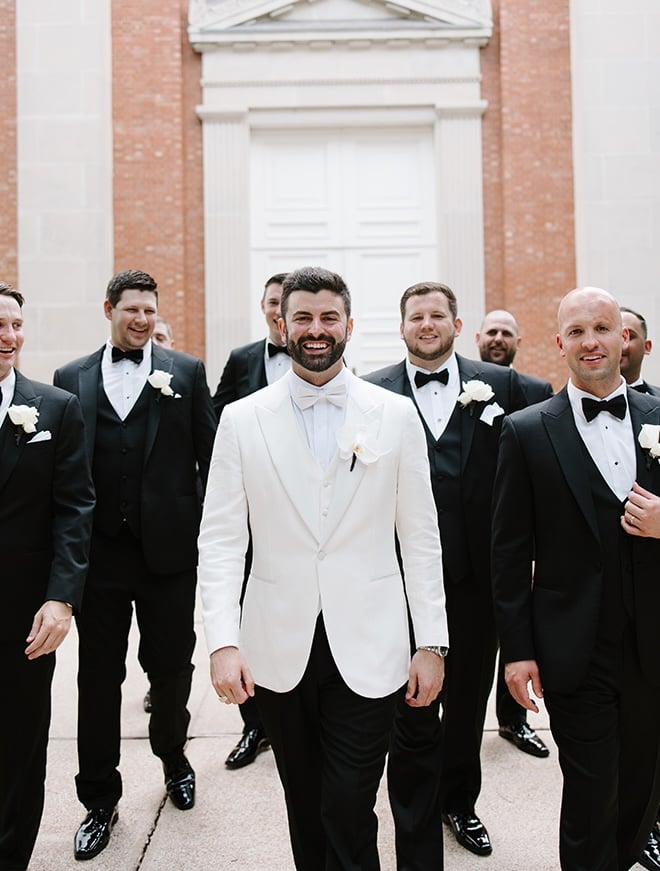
158, 215
528, 175
8, 212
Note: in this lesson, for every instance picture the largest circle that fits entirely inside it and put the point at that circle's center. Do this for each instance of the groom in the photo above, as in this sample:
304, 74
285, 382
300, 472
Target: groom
327, 468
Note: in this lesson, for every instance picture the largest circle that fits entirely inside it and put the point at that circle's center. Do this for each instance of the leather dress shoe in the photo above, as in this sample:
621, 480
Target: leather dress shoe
650, 855
470, 832
94, 833
525, 739
180, 782
246, 751
146, 702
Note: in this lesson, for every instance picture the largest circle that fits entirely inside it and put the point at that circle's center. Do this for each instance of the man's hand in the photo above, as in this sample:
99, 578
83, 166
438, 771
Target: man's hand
642, 513
517, 676
50, 627
230, 676
426, 676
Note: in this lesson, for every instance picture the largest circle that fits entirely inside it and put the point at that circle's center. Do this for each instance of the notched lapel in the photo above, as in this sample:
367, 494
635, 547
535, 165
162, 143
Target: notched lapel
567, 444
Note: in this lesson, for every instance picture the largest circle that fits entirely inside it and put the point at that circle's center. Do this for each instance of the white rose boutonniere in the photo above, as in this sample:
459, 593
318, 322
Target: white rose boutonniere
359, 444
475, 391
649, 440
160, 380
25, 416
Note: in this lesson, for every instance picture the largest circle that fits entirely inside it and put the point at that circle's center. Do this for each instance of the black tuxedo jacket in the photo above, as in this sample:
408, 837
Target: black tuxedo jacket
543, 506
244, 374
46, 504
651, 388
470, 520
178, 441
535, 389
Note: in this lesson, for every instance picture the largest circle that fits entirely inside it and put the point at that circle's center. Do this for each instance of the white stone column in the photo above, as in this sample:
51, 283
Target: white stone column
460, 210
226, 139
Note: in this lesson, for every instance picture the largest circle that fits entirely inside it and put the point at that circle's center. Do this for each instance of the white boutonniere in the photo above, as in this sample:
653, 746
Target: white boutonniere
475, 391
358, 444
649, 440
24, 416
160, 380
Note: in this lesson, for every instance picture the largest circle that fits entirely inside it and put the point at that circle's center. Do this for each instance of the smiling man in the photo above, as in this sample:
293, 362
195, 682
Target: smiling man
46, 503
322, 643
577, 593
150, 428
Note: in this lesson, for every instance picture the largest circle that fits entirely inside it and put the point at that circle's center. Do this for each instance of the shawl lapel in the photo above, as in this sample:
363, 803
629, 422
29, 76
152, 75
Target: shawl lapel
13, 438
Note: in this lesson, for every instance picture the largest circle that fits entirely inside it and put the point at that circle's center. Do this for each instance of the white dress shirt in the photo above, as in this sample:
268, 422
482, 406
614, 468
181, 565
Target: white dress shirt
124, 381
436, 401
7, 385
276, 366
610, 441
321, 421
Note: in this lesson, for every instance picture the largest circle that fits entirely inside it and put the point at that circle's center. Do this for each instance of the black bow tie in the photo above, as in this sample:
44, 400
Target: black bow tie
615, 406
422, 378
135, 355
276, 349
641, 388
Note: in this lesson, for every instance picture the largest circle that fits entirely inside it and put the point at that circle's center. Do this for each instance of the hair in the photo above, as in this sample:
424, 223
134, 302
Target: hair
314, 279
425, 287
8, 290
278, 278
129, 279
640, 318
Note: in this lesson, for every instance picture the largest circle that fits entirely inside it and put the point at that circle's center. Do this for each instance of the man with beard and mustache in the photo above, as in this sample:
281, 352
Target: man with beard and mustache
434, 769
327, 472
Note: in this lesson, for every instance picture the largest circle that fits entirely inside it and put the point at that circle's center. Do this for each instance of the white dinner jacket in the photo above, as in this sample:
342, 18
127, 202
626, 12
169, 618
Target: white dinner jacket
321, 540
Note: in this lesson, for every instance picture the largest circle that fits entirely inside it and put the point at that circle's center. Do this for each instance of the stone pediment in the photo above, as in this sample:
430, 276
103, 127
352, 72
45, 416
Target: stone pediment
214, 21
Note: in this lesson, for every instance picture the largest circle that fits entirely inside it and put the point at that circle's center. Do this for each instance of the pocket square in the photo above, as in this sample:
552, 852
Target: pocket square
43, 436
490, 412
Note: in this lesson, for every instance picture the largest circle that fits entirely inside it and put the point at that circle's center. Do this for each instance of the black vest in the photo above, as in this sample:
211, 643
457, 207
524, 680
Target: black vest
445, 463
118, 463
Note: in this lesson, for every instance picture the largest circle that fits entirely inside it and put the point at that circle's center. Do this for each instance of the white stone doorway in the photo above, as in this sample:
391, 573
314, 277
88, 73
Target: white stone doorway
357, 201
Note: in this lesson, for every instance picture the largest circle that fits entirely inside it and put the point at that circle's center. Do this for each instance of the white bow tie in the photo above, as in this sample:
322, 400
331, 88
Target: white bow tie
305, 397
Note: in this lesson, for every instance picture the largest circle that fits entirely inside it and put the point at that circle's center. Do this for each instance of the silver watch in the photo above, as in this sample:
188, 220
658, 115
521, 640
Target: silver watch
439, 651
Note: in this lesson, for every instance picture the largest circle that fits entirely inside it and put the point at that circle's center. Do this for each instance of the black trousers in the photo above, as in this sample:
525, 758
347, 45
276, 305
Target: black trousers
164, 606
608, 735
330, 746
25, 693
414, 768
469, 670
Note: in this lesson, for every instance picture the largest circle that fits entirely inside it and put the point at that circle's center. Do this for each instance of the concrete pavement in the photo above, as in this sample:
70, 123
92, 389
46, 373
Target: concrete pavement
239, 819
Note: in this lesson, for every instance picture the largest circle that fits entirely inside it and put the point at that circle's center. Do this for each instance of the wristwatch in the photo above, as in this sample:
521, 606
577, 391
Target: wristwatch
439, 651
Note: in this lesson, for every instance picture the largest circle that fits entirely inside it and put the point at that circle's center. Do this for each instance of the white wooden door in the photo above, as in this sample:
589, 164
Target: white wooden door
359, 202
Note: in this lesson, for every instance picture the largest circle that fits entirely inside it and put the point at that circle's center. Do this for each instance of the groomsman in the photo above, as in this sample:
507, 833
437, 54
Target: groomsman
635, 349
576, 589
248, 369
434, 770
150, 428
46, 503
330, 473
498, 341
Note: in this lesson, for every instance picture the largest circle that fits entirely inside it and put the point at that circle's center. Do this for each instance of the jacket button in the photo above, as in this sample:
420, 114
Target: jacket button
321, 554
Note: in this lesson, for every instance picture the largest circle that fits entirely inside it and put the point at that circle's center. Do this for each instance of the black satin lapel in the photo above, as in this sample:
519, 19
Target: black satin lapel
256, 368
568, 447
646, 466
88, 393
13, 437
159, 360
470, 415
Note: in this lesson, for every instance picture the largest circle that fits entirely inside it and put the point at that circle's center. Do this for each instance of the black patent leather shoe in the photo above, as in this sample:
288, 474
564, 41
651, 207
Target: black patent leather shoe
650, 855
248, 748
470, 833
525, 739
180, 783
94, 833
146, 702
